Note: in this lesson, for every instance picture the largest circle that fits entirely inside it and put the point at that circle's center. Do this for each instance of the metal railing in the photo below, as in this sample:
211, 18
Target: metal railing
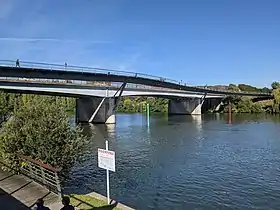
41, 173
82, 69
73, 68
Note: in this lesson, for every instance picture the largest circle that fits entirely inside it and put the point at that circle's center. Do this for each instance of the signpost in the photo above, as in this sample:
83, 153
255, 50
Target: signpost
106, 160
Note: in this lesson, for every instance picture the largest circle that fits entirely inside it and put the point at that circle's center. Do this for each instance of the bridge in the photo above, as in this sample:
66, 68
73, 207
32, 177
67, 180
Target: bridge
97, 103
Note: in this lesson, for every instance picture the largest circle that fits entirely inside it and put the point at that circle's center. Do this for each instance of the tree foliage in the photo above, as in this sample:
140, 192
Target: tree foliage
10, 102
138, 104
248, 88
7, 105
242, 105
265, 90
40, 128
276, 101
275, 85
233, 87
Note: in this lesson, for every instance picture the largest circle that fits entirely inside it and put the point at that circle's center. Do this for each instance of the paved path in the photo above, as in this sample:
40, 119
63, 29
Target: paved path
19, 192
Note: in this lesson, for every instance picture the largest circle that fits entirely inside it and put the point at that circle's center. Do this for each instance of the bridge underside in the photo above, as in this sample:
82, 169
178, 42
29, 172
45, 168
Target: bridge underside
95, 110
102, 110
193, 106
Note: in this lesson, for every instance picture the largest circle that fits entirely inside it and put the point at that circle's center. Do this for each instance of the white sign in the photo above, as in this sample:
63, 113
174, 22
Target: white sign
106, 159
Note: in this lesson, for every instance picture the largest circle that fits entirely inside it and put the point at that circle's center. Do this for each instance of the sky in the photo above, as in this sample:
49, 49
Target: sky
197, 41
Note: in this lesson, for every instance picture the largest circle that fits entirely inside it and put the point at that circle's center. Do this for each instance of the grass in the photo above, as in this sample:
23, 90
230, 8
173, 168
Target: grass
88, 202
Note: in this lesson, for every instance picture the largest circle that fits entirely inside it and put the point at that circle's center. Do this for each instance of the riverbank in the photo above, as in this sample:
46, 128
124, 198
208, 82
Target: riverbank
131, 105
20, 192
94, 200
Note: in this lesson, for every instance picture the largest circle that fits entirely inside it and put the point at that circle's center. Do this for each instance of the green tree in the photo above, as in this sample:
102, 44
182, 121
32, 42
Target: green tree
275, 85
244, 105
248, 88
41, 129
257, 108
7, 102
233, 87
138, 104
265, 90
276, 100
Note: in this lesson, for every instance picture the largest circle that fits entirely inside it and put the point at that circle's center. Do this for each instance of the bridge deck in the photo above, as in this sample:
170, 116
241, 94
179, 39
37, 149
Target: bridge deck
54, 71
78, 90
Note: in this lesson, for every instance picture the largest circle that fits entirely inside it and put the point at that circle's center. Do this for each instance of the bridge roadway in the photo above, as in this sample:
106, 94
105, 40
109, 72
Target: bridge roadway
98, 104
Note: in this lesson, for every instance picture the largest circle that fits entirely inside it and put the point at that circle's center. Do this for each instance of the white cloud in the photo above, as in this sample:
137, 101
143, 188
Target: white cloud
14, 39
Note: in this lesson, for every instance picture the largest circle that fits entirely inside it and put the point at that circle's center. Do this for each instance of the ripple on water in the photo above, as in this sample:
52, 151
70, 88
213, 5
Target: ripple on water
185, 165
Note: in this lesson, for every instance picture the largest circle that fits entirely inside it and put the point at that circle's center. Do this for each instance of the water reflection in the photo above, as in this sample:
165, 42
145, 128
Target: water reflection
99, 131
111, 129
197, 119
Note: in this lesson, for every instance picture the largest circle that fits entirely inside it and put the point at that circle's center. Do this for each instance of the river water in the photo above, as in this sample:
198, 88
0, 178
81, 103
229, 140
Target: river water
185, 162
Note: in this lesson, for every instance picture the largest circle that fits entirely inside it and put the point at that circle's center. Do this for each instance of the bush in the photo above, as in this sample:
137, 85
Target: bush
41, 129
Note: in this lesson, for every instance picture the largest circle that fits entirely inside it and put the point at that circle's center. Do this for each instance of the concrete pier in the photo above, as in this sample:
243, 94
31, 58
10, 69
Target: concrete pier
95, 110
192, 106
211, 104
185, 106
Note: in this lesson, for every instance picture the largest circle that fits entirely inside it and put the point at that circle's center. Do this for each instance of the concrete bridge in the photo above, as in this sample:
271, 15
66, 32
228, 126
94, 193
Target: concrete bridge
97, 104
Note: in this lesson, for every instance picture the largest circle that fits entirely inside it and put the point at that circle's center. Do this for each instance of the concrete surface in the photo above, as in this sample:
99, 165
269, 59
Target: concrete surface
19, 192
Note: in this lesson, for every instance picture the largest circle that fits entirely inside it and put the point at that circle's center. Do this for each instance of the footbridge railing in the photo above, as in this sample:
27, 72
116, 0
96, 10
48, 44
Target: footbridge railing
82, 69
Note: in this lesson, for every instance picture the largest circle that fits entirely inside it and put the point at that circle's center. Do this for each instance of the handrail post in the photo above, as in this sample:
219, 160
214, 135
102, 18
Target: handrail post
58, 185
43, 175
29, 168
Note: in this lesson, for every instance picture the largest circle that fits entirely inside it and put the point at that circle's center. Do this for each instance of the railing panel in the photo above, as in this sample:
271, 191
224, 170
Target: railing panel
42, 173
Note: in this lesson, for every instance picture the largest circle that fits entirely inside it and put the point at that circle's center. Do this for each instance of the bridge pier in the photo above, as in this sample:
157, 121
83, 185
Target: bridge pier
193, 106
211, 104
95, 110
185, 106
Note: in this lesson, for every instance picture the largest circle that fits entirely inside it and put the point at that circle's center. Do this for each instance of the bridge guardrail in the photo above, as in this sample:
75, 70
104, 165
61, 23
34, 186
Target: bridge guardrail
61, 67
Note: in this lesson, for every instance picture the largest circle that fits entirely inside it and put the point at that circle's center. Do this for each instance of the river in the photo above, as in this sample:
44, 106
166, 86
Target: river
186, 162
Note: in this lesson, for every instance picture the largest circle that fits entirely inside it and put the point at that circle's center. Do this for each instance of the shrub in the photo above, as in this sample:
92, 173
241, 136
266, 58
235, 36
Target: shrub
41, 129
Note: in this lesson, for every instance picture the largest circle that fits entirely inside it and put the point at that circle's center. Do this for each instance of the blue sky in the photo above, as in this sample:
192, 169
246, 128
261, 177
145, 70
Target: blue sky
198, 41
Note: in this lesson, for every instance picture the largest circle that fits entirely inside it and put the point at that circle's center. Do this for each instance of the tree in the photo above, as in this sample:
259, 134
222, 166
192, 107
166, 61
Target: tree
244, 105
7, 102
248, 88
275, 85
276, 100
138, 104
233, 87
266, 90
257, 108
41, 129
